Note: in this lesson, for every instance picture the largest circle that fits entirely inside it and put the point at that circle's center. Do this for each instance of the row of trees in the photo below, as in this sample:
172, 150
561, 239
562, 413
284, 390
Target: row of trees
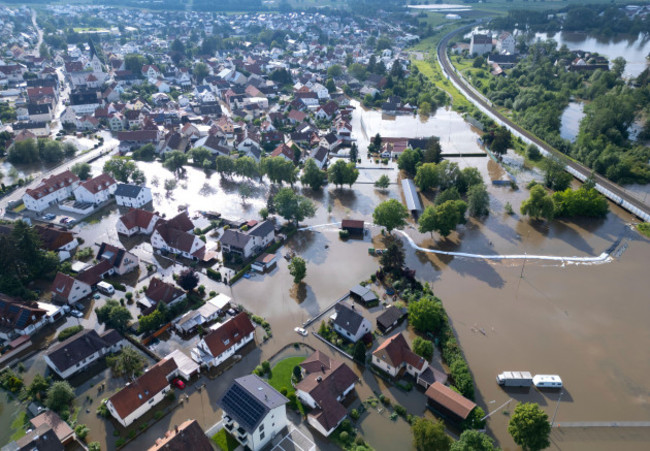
584, 201
44, 150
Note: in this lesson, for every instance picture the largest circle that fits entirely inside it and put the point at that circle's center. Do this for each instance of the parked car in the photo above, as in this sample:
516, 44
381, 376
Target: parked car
301, 331
178, 383
64, 220
76, 313
49, 216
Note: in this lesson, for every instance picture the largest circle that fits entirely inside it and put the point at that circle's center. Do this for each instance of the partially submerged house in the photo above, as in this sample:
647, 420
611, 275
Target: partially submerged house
411, 197
448, 403
390, 318
223, 341
188, 436
363, 295
349, 323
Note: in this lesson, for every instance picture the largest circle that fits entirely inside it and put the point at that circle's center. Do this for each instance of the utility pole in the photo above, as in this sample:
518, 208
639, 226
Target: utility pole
557, 407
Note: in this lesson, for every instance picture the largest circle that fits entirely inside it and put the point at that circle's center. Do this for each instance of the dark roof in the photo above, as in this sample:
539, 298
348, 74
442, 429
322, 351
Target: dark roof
187, 437
84, 98
53, 238
390, 316
125, 190
262, 229
18, 315
42, 438
347, 318
38, 108
481, 39
365, 293
249, 399
69, 352
235, 238
160, 291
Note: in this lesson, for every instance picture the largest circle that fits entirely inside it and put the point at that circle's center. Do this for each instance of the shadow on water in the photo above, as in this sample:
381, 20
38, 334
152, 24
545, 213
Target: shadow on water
479, 269
299, 292
566, 233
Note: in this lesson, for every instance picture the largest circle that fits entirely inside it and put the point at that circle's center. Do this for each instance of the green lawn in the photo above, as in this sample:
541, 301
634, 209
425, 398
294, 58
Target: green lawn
281, 374
434, 73
19, 426
225, 441
644, 228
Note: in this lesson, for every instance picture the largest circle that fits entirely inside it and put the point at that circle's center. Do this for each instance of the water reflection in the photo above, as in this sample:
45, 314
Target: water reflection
570, 120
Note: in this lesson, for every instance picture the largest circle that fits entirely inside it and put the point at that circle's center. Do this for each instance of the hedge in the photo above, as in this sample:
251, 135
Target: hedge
214, 275
69, 332
240, 274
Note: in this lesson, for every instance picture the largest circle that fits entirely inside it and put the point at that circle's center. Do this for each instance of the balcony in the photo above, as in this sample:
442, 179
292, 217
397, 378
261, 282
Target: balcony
229, 427
227, 420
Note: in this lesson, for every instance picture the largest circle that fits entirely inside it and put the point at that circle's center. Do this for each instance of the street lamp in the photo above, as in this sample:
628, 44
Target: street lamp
557, 407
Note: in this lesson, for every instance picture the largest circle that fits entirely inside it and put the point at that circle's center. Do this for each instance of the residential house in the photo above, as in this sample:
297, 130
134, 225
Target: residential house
51, 190
223, 341
168, 237
137, 221
390, 319
189, 322
448, 403
246, 244
349, 323
327, 112
121, 260
151, 71
19, 318
394, 356
39, 112
66, 289
76, 353
354, 227
130, 140
253, 412
330, 141
283, 151
49, 418
480, 44
188, 436
320, 156
40, 438
133, 196
506, 43
96, 190
143, 394
159, 291
264, 262
57, 240
325, 384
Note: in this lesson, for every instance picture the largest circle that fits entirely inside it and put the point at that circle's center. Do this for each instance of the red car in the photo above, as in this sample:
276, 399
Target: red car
178, 383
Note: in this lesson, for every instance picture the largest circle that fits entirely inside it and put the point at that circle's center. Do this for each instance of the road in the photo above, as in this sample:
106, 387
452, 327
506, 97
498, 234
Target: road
39, 31
612, 191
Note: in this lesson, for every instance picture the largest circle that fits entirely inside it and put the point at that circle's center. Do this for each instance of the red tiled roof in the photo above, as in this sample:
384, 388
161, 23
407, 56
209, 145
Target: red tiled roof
187, 437
62, 285
139, 392
283, 149
94, 274
450, 400
53, 183
160, 291
228, 334
395, 351
137, 218
99, 183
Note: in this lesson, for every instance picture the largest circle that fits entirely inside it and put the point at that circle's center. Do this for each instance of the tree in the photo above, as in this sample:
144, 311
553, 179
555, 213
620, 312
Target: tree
128, 363
188, 279
473, 440
529, 427
264, 213
409, 161
390, 214
425, 109
113, 315
38, 387
298, 269
225, 166
618, 66
427, 176
376, 142
247, 167
555, 177
433, 151
122, 169
134, 62
442, 218
297, 373
245, 191
427, 314
501, 141
293, 207
279, 170
478, 62
342, 173
312, 176
334, 71
448, 194
382, 182
81, 430
539, 204
329, 84
392, 260
423, 348
584, 201
145, 153
24, 152
200, 72
94, 446
354, 152
44, 51
429, 435
50, 151
175, 160
59, 396
359, 352
533, 153
478, 201
81, 170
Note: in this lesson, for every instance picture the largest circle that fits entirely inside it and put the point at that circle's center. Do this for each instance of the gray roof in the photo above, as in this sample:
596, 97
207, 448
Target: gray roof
411, 195
390, 316
41, 438
249, 399
125, 190
235, 238
347, 318
262, 229
68, 353
364, 293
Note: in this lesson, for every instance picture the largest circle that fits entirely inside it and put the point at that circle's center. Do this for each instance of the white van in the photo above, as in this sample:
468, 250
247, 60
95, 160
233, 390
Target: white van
547, 381
105, 287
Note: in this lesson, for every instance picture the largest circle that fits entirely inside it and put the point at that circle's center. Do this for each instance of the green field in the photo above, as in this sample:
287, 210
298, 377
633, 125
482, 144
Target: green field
225, 441
282, 372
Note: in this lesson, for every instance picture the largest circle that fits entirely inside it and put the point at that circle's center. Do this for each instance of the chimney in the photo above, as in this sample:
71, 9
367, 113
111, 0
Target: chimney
176, 428
319, 379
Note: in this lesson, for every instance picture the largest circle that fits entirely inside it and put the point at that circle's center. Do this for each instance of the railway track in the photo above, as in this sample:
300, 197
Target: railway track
611, 190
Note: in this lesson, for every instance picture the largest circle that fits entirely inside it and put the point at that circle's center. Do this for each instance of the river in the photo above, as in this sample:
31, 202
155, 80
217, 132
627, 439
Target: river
634, 50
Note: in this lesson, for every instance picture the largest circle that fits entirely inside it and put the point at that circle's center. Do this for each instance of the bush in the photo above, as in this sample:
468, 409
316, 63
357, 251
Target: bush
266, 366
384, 400
9, 381
82, 431
401, 411
102, 410
158, 415
344, 234
354, 414
259, 370
214, 275
69, 332
344, 436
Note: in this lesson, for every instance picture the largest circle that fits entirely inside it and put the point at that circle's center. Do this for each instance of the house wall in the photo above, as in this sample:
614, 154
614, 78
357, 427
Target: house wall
384, 366
364, 328
273, 423
83, 195
121, 228
128, 264
79, 291
218, 360
50, 198
137, 413
76, 368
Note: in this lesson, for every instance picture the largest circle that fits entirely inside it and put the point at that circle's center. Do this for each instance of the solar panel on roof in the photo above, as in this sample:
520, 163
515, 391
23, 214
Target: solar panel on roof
24, 317
13, 309
243, 406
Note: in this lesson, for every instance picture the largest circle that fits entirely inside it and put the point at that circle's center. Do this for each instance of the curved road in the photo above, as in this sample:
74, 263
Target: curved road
611, 190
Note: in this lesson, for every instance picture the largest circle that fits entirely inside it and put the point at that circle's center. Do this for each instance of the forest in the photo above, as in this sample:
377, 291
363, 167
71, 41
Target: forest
537, 90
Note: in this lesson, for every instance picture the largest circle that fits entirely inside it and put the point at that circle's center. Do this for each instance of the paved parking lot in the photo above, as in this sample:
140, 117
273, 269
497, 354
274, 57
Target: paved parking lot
295, 441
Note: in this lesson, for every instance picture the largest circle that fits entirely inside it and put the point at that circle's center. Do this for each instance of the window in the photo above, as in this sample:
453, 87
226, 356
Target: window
262, 427
261, 435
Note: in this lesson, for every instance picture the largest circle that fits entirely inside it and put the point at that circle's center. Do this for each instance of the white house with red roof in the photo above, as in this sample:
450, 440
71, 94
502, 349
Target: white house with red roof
395, 355
96, 190
283, 151
50, 191
66, 289
223, 341
137, 221
175, 236
151, 71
